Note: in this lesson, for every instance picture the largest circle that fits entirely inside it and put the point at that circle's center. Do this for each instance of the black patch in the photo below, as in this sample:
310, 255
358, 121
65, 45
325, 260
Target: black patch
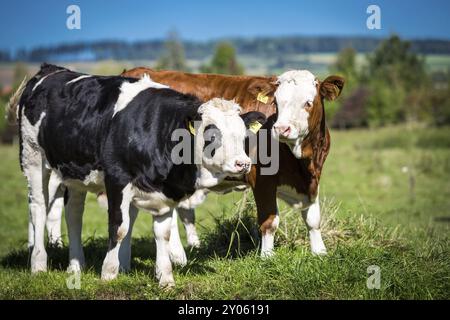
253, 116
249, 118
213, 140
66, 196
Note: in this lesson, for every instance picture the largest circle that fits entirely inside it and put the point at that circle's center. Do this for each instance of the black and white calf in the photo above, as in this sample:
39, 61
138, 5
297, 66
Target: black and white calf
115, 134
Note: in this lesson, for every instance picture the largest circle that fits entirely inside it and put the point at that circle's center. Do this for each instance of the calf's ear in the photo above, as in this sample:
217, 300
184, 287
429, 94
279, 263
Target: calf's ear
253, 120
263, 90
331, 87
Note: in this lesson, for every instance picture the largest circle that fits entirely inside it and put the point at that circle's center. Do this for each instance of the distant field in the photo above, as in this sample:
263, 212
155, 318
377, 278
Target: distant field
385, 200
318, 63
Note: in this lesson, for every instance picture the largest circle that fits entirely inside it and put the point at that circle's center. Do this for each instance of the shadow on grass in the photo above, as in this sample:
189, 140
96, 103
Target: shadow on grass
230, 238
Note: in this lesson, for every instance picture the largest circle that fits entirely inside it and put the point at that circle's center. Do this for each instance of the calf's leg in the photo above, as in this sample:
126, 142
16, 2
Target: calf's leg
74, 219
177, 253
37, 176
268, 219
187, 216
55, 204
311, 216
119, 202
125, 247
162, 226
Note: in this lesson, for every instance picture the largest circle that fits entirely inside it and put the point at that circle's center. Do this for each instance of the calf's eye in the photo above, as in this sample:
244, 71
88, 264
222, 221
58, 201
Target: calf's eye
213, 140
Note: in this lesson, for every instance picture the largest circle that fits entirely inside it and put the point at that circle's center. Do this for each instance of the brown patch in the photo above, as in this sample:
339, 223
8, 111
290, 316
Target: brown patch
267, 224
242, 89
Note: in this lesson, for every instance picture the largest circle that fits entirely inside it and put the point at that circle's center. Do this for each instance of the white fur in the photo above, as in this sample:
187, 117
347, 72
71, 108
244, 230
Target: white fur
295, 89
94, 178
268, 237
177, 253
74, 219
188, 218
102, 201
195, 200
43, 78
93, 182
162, 228
78, 78
56, 204
125, 247
311, 216
293, 198
154, 202
130, 90
33, 163
111, 264
310, 213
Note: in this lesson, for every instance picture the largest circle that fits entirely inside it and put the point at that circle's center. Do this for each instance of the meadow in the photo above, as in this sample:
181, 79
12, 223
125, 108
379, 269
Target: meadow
385, 197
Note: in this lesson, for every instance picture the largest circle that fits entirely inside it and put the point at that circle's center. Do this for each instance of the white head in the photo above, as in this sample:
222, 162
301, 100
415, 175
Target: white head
220, 140
299, 101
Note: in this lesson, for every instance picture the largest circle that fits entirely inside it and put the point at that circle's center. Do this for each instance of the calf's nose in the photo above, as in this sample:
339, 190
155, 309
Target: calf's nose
242, 165
283, 130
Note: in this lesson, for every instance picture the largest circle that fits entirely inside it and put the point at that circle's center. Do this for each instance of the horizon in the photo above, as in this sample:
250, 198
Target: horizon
201, 21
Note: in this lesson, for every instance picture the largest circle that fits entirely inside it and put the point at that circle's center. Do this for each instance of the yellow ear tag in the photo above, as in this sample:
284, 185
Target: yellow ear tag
191, 128
254, 126
262, 98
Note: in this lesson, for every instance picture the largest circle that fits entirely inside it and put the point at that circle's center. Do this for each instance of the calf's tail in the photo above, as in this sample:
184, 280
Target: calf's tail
11, 108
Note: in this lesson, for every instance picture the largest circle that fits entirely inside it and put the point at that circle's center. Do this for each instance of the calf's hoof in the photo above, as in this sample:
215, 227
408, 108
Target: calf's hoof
178, 257
319, 252
267, 254
109, 272
38, 261
74, 267
108, 276
166, 283
194, 242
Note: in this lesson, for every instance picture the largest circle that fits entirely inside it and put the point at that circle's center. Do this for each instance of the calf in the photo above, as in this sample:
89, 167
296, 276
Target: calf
294, 106
116, 134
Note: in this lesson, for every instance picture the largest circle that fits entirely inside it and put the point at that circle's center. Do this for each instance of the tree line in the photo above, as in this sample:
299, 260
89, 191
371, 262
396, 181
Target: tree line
258, 47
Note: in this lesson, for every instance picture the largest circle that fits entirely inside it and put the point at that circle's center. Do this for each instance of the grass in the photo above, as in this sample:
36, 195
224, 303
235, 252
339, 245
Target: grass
385, 199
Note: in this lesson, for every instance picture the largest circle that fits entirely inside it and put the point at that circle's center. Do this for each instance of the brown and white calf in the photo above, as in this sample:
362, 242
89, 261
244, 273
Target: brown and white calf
294, 106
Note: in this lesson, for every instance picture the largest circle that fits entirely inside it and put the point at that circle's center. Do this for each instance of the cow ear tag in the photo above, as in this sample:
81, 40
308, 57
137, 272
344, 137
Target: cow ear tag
191, 128
254, 126
262, 98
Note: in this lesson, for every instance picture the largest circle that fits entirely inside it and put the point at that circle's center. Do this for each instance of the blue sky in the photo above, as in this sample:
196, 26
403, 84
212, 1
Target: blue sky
42, 22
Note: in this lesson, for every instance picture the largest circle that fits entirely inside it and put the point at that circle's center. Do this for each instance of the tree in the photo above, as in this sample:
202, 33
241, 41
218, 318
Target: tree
174, 58
224, 61
397, 78
394, 63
